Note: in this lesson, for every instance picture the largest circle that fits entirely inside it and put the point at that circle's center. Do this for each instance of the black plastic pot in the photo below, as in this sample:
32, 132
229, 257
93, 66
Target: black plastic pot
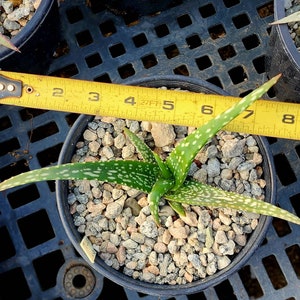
254, 240
283, 57
36, 41
136, 7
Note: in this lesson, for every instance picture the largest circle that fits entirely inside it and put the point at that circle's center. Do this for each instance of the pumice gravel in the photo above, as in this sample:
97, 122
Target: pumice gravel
117, 219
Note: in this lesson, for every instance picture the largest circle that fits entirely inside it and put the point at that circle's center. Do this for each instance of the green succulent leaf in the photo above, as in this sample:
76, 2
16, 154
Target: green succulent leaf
5, 41
196, 193
159, 189
181, 158
165, 171
136, 174
141, 147
177, 207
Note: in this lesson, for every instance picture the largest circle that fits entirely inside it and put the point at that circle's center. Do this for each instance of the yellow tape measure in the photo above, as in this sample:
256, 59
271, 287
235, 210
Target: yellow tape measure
268, 118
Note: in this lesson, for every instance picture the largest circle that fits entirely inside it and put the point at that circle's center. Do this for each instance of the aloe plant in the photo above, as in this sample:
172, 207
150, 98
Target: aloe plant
167, 178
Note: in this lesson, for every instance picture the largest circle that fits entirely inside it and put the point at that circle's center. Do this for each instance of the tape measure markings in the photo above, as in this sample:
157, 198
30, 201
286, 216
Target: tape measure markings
270, 118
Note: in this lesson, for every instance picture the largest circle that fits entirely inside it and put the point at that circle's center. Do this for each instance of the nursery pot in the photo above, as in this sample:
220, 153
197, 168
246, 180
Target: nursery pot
254, 240
36, 41
283, 57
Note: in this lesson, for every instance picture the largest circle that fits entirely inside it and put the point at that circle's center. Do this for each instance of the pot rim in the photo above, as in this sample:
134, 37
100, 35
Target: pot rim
285, 37
149, 288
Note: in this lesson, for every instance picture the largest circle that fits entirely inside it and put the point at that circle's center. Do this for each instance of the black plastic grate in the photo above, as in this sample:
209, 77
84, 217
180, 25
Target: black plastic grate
223, 42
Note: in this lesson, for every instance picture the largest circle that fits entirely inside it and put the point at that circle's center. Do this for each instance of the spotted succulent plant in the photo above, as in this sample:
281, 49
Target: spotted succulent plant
167, 178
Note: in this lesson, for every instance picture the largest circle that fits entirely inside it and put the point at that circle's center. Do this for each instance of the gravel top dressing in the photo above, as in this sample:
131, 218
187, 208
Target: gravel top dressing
117, 219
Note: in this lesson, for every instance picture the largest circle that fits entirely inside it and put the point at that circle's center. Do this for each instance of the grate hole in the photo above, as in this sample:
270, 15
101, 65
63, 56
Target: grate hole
23, 196
5, 123
79, 281
266, 10
126, 71
93, 60
237, 75
216, 81
251, 41
49, 156
181, 70
107, 28
140, 40
271, 140
184, 21
230, 3
271, 92
30, 113
62, 49
283, 169
50, 262
241, 21
42, 132
193, 41
259, 64
84, 38
243, 94
250, 283
217, 31
96, 6
71, 118
14, 278
198, 296
74, 14
171, 51
103, 78
161, 30
281, 227
227, 52
36, 229
274, 272
18, 167
224, 290
9, 146
131, 19
207, 10
109, 286
295, 201
149, 61
117, 50
293, 253
7, 249
203, 62
66, 72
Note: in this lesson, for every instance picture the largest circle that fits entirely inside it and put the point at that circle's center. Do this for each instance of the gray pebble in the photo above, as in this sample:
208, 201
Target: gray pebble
19, 13
223, 262
233, 148
213, 167
11, 25
7, 6
131, 244
221, 237
149, 229
113, 210
89, 135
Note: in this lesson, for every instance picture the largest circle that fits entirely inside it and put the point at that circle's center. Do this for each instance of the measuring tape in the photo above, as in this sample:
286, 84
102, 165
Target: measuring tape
268, 118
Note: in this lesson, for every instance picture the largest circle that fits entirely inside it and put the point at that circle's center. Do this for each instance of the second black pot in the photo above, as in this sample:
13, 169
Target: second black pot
37, 42
283, 57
